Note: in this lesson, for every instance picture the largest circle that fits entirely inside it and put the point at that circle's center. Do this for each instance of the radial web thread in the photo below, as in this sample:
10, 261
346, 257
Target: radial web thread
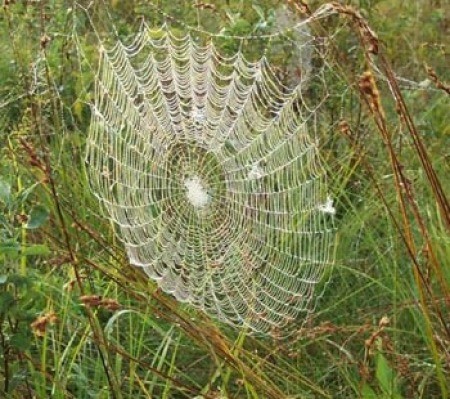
206, 165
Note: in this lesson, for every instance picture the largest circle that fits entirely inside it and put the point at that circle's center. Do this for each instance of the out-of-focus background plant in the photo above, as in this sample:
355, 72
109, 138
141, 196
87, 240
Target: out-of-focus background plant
76, 321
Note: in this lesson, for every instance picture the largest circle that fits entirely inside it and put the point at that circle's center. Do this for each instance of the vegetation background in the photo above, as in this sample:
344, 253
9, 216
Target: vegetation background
77, 322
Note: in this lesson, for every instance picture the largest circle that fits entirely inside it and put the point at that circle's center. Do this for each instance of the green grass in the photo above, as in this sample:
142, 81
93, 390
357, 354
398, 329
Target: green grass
381, 328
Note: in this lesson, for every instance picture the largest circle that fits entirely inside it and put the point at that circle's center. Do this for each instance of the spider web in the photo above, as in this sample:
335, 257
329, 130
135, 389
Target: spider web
206, 164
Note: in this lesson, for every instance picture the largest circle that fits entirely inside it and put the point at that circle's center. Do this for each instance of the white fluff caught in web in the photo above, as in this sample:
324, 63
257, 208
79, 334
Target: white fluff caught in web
196, 193
205, 163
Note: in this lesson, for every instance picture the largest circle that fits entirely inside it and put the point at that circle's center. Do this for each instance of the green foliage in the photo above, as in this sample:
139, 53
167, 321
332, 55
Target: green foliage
116, 335
11, 246
386, 377
38, 216
386, 380
19, 300
19, 305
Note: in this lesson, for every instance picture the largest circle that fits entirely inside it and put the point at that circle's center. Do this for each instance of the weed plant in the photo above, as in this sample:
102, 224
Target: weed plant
76, 321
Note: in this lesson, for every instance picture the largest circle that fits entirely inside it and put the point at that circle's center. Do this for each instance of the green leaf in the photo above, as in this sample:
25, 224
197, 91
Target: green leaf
36, 250
23, 195
385, 375
368, 393
21, 340
20, 281
5, 192
3, 279
9, 248
259, 11
241, 27
4, 224
38, 216
6, 301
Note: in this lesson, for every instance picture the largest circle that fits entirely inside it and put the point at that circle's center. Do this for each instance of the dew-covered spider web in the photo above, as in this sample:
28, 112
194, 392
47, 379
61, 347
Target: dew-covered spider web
209, 165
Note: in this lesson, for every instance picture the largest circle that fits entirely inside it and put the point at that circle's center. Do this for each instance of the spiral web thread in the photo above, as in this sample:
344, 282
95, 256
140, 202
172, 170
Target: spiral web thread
206, 165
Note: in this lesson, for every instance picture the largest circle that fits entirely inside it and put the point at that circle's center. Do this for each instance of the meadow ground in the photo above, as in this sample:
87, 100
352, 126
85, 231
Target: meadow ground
77, 321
